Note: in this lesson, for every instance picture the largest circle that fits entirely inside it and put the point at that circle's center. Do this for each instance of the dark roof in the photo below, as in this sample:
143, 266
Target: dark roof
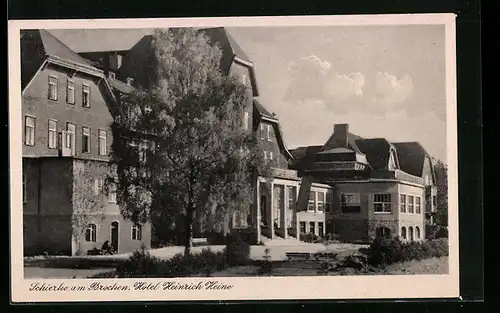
351, 138
411, 157
262, 110
37, 46
377, 151
304, 156
120, 86
337, 150
100, 40
226, 42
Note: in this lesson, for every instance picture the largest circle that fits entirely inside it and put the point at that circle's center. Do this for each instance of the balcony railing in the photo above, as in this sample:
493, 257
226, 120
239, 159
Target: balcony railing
284, 173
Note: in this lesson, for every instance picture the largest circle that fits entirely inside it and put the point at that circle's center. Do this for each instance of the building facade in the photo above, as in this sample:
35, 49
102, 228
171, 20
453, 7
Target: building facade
379, 187
67, 206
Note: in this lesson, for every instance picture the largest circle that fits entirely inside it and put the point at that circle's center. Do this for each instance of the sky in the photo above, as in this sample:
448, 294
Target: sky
384, 81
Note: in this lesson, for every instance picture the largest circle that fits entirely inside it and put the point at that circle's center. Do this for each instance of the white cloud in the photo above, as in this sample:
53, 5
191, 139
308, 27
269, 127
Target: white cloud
390, 89
314, 79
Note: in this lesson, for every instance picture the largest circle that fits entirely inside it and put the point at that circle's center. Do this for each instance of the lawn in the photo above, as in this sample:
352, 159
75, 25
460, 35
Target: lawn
433, 266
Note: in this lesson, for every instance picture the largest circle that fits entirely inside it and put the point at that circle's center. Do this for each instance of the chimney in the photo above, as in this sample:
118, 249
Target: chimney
341, 132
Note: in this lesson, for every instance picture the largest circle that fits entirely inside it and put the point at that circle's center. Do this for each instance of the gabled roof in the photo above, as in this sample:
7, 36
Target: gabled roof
377, 151
263, 113
100, 40
38, 46
226, 42
262, 110
411, 157
120, 86
230, 50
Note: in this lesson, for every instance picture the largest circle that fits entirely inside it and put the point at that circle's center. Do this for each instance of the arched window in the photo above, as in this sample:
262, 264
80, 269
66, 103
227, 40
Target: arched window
403, 232
410, 230
136, 232
91, 233
417, 232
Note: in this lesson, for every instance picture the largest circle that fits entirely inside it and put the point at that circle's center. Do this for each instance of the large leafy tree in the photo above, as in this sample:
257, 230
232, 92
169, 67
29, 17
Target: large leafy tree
179, 145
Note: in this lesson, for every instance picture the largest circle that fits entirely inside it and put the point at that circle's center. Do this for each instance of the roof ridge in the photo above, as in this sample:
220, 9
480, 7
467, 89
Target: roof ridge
65, 46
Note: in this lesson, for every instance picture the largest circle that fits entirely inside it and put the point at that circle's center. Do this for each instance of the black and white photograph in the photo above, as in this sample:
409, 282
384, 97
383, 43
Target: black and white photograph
198, 155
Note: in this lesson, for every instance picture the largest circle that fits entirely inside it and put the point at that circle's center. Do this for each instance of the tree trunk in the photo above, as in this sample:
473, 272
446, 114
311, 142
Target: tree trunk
188, 243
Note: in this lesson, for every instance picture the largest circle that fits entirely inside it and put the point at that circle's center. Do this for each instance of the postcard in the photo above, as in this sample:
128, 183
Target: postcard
237, 158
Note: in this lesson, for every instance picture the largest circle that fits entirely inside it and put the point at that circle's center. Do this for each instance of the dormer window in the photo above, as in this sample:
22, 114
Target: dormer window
111, 75
269, 132
392, 160
244, 80
130, 81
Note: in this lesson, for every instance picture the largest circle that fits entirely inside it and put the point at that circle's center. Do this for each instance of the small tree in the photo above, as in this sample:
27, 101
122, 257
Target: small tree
441, 170
178, 141
88, 198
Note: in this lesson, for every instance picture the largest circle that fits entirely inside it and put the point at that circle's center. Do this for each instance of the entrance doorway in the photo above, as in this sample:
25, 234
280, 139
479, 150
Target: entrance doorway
263, 210
114, 235
383, 232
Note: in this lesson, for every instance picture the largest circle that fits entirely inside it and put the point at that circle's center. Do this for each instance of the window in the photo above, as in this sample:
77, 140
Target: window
311, 205
136, 232
262, 131
383, 232
70, 92
85, 140
320, 229
410, 233
24, 188
382, 203
417, 205
130, 81
29, 130
91, 233
311, 227
417, 232
269, 132
98, 186
265, 155
70, 136
402, 203
86, 96
245, 120
303, 227
350, 202
52, 140
270, 155
328, 203
291, 197
52, 87
143, 147
434, 200
112, 193
103, 149
321, 201
111, 75
403, 232
410, 204
244, 80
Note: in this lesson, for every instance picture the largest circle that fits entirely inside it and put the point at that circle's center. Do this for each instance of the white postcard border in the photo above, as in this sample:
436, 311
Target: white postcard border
243, 288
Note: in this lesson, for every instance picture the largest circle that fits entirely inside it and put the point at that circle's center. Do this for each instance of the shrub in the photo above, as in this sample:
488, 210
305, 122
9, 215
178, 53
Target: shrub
435, 232
237, 250
142, 264
384, 251
265, 267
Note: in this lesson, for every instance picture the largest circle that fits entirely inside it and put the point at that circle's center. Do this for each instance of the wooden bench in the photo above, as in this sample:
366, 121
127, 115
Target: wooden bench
200, 241
298, 255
